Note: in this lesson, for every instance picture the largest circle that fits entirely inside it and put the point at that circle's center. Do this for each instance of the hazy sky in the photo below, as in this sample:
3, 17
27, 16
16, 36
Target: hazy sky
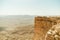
29, 7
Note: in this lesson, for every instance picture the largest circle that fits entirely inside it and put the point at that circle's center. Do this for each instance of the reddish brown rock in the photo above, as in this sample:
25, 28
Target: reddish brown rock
42, 25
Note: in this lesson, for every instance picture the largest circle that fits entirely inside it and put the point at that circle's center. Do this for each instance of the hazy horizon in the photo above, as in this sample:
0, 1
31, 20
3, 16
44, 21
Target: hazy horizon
16, 20
30, 7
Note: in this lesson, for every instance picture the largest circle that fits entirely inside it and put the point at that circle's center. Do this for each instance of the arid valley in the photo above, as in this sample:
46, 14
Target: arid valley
16, 27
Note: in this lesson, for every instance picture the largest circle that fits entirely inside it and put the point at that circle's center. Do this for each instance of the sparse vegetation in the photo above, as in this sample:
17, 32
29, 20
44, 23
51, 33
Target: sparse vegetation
2, 28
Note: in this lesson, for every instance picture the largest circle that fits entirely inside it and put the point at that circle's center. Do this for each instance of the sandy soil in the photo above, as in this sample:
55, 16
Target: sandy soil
19, 33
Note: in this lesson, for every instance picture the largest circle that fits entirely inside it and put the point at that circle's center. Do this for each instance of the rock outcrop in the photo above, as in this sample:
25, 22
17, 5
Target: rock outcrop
42, 25
53, 33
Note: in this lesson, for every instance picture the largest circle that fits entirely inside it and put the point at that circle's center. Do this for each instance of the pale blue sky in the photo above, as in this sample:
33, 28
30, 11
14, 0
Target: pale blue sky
29, 7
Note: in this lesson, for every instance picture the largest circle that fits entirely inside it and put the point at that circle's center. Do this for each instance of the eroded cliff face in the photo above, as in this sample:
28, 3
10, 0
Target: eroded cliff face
53, 33
42, 25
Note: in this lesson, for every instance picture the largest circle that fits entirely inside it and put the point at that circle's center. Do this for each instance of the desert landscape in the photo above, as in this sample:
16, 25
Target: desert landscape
20, 33
16, 27
29, 19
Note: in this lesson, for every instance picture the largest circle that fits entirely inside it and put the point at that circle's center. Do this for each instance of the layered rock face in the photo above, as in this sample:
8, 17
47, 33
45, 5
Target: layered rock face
42, 25
53, 33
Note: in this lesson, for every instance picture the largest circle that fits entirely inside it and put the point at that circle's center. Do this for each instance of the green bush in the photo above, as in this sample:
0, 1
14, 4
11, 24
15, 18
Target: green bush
2, 28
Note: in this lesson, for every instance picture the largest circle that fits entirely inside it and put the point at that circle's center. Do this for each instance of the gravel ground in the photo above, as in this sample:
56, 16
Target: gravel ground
19, 33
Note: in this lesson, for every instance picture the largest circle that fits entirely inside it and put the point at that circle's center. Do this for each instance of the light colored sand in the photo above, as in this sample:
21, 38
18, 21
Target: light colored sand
19, 33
